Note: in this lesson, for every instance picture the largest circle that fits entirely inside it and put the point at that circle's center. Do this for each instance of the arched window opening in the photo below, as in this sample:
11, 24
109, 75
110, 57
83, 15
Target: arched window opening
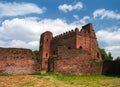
69, 48
80, 47
54, 52
46, 62
97, 54
46, 54
47, 40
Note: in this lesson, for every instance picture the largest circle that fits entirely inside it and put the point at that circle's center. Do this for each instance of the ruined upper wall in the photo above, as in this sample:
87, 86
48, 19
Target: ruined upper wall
86, 31
15, 53
66, 34
17, 61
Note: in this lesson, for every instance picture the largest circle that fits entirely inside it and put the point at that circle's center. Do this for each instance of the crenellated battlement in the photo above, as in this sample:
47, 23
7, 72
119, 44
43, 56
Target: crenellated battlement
85, 31
67, 34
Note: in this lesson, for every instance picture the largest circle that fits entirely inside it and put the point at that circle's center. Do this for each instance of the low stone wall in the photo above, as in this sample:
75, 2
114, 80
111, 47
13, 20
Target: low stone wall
17, 61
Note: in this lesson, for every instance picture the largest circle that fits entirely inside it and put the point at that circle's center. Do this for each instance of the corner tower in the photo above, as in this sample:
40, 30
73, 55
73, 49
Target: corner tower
44, 49
91, 42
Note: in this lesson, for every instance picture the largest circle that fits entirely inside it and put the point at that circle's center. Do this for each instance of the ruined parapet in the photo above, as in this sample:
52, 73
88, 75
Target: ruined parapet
17, 61
87, 30
67, 34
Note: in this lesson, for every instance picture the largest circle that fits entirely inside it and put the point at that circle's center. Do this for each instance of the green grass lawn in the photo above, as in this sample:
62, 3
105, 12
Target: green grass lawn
58, 80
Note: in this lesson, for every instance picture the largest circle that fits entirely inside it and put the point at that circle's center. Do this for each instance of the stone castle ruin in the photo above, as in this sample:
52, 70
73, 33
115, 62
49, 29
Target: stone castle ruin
74, 52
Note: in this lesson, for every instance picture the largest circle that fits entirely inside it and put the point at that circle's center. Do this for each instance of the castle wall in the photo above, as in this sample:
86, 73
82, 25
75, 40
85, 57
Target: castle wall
74, 61
83, 42
17, 61
68, 40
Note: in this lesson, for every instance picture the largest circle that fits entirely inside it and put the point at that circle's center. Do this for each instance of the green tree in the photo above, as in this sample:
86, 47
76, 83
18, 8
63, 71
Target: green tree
109, 57
103, 54
36, 53
118, 58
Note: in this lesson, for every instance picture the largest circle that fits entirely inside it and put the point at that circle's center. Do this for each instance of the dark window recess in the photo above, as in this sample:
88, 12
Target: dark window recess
97, 54
69, 47
47, 40
89, 53
80, 47
54, 52
46, 54
46, 62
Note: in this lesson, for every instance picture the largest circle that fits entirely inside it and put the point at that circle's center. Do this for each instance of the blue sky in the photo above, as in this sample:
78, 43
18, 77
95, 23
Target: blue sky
23, 21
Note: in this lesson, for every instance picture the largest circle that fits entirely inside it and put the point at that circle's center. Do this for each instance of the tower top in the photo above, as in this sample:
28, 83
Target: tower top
88, 26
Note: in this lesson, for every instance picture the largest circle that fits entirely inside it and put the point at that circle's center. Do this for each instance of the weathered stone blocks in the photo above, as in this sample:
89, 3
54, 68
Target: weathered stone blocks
17, 61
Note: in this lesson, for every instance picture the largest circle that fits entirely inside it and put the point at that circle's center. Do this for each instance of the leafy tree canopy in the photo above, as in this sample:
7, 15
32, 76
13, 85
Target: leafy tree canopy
105, 56
118, 58
36, 53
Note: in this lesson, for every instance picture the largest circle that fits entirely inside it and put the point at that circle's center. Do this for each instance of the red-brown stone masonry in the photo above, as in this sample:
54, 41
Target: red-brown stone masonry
17, 61
75, 61
88, 44
69, 42
85, 39
45, 49
80, 42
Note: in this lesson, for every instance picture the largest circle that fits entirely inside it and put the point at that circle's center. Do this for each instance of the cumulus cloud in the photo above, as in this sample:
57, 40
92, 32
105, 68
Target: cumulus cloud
103, 13
16, 9
111, 39
76, 17
2, 43
25, 32
65, 7
23, 44
81, 21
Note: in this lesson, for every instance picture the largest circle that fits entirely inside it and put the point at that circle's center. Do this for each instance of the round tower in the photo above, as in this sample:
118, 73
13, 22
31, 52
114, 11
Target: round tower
44, 49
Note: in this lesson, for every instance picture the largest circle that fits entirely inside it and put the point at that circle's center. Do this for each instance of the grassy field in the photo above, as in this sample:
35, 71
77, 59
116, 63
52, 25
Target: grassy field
58, 80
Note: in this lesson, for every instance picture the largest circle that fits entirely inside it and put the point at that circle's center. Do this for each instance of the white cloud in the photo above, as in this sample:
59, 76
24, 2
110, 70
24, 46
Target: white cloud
65, 8
2, 43
16, 9
115, 50
23, 44
81, 21
21, 29
103, 13
76, 17
25, 32
111, 39
17, 43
